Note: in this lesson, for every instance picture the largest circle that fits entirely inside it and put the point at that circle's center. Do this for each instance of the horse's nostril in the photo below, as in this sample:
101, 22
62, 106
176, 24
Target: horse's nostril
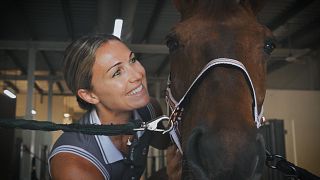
225, 155
193, 143
193, 154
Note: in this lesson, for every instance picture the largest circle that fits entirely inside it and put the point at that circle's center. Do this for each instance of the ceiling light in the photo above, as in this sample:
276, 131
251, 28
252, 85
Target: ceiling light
9, 93
34, 112
117, 28
66, 115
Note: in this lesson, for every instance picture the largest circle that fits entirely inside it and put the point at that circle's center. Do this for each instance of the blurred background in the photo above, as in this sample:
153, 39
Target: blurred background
34, 34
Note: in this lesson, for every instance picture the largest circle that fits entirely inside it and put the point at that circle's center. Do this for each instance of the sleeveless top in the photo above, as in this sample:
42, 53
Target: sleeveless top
101, 152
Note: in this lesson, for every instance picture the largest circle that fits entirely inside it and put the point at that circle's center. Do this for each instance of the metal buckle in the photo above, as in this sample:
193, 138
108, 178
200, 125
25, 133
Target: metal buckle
152, 125
174, 118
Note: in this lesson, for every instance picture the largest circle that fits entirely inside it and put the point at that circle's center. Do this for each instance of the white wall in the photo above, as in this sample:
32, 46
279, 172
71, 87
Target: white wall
40, 138
300, 111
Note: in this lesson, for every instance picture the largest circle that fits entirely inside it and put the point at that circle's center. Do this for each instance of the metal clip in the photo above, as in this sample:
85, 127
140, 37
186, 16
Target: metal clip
152, 125
171, 125
174, 117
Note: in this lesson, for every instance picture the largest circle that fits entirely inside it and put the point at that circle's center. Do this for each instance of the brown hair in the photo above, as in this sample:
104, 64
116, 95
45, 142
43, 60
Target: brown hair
79, 58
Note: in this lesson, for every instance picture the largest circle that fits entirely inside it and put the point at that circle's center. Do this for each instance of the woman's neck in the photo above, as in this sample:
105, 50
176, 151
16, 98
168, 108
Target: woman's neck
107, 116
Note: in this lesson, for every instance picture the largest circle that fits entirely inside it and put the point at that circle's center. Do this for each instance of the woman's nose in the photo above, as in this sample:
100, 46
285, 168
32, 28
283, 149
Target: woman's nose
135, 74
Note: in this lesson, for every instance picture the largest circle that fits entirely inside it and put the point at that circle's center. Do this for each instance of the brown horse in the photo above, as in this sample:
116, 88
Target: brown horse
219, 136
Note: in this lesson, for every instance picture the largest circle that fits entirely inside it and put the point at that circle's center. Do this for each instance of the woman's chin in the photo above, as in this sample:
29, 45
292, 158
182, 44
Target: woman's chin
140, 102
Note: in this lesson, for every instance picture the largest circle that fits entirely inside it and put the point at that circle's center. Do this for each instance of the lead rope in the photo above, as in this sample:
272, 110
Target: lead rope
92, 129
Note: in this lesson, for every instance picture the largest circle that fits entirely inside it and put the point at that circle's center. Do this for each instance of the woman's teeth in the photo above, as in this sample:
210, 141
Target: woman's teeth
135, 91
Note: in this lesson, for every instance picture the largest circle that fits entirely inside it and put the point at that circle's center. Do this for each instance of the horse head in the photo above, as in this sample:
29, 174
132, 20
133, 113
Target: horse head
219, 136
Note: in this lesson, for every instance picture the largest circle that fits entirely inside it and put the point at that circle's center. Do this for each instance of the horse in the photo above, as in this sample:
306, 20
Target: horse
218, 53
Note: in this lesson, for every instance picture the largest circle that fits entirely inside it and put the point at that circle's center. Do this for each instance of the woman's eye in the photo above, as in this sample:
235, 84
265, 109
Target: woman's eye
133, 60
117, 73
269, 46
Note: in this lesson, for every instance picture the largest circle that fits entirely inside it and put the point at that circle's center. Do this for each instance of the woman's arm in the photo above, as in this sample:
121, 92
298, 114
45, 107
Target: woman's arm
65, 166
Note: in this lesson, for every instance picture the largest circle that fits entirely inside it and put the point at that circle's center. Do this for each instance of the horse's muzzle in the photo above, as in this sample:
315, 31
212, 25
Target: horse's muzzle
209, 156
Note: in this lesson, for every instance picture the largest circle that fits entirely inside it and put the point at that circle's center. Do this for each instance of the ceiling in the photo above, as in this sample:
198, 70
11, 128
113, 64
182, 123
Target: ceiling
49, 25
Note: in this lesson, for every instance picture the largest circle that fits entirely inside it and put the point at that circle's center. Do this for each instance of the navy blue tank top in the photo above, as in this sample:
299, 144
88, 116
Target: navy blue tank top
100, 151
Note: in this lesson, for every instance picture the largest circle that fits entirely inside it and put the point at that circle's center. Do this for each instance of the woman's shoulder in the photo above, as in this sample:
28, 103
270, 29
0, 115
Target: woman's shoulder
77, 148
76, 142
71, 166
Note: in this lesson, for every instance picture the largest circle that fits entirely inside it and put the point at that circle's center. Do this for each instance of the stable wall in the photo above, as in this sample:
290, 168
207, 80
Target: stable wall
36, 140
41, 106
300, 111
60, 105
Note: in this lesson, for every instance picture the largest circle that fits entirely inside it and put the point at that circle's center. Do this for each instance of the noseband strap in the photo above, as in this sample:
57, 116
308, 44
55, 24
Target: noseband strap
177, 106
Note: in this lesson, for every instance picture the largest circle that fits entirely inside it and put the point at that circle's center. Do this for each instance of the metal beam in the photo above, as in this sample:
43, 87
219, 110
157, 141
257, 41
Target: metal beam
67, 17
37, 78
58, 94
52, 71
293, 10
39, 45
50, 94
33, 36
38, 88
31, 82
23, 69
285, 52
61, 46
137, 48
16, 62
301, 32
154, 18
11, 85
284, 57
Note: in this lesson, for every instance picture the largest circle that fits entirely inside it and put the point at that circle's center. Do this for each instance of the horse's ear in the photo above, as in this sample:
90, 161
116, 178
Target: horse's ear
177, 4
185, 7
253, 5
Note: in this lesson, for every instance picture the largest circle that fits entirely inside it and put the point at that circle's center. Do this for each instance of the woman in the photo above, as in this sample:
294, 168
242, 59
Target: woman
111, 85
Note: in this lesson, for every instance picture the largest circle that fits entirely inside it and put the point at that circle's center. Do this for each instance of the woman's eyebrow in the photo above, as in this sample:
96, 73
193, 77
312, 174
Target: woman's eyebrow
114, 66
130, 56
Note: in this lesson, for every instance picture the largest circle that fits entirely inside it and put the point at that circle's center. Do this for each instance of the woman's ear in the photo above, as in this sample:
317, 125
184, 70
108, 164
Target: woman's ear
88, 96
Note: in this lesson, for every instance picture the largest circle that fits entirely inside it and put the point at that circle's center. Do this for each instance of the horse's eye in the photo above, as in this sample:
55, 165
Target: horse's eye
172, 44
269, 46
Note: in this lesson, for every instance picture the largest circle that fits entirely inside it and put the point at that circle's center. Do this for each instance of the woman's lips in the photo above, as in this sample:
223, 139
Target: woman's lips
136, 90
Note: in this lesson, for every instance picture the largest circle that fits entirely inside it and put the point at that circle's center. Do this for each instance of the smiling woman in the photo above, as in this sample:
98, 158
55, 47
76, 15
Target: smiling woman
118, 79
110, 83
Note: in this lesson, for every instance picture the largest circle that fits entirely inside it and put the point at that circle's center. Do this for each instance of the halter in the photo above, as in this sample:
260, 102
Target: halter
177, 107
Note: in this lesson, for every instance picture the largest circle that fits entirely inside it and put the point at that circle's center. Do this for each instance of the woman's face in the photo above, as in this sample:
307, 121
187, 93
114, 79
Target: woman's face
118, 79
